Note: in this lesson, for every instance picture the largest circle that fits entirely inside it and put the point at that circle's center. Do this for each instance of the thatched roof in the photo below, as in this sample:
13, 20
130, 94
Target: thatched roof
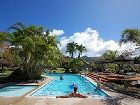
122, 58
86, 62
104, 62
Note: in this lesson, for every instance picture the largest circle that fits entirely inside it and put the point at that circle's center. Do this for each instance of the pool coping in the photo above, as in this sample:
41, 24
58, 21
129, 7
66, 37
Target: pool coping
20, 85
93, 82
29, 95
51, 79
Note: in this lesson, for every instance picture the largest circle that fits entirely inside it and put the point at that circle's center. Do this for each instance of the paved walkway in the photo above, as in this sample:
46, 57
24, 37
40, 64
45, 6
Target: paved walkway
120, 100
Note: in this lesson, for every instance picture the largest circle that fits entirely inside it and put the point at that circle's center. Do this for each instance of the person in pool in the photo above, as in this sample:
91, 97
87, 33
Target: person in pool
61, 77
98, 83
74, 84
73, 94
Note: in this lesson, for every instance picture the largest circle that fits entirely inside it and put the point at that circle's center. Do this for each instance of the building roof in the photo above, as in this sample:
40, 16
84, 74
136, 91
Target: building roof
123, 58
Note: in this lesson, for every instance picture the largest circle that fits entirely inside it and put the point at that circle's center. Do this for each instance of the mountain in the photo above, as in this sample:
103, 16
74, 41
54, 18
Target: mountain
89, 59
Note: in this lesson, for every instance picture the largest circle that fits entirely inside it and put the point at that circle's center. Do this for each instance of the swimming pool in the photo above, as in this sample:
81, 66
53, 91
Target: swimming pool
15, 90
59, 87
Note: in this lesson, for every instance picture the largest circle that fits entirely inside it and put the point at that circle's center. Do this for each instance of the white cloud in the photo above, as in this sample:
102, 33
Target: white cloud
94, 44
57, 32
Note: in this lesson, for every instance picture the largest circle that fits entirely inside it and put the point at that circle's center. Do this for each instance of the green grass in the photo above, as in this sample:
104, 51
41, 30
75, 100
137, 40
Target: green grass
58, 70
61, 70
5, 73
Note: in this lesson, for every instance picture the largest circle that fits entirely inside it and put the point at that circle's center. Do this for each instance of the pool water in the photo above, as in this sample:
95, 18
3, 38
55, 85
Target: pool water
15, 90
59, 87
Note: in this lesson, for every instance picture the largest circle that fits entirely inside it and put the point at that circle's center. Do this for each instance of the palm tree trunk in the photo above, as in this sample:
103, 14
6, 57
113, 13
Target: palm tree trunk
71, 55
79, 55
2, 67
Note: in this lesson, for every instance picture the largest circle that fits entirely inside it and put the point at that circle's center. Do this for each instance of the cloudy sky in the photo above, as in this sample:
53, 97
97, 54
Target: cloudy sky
91, 39
97, 24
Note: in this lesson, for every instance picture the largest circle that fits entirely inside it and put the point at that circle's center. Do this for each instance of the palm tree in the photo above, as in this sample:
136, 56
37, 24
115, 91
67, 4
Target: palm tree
3, 38
132, 35
37, 50
80, 49
109, 55
71, 48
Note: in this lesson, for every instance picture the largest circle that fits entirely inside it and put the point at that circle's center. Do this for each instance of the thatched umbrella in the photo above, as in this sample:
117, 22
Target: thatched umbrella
104, 62
122, 59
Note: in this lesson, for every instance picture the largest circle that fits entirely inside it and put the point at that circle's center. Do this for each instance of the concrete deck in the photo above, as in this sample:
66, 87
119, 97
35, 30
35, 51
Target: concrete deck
121, 100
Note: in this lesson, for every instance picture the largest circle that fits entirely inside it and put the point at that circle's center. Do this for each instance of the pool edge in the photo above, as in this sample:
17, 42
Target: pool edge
51, 79
29, 95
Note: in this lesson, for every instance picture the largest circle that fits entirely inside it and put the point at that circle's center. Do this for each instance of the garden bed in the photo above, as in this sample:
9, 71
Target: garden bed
124, 88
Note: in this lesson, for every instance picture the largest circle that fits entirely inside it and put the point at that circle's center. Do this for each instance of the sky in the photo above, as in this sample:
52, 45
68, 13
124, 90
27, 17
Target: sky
97, 24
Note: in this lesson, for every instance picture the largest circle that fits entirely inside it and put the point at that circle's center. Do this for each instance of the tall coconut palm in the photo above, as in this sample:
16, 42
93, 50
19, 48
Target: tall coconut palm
71, 48
80, 49
130, 35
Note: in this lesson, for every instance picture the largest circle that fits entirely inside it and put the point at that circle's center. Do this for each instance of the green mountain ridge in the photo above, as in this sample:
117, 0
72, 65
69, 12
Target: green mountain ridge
90, 60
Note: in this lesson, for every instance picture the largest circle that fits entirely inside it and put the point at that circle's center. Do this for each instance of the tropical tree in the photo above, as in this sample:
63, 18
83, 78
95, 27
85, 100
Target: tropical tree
80, 49
35, 49
75, 65
4, 51
71, 48
3, 38
130, 35
109, 55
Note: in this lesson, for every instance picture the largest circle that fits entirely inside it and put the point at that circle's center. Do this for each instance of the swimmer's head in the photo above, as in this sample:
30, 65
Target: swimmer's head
73, 83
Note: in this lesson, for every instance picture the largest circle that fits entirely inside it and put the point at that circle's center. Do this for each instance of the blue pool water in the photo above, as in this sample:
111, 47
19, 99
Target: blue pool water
59, 87
15, 90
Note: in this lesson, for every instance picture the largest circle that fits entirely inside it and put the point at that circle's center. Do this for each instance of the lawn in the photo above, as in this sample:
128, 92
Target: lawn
58, 70
5, 74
